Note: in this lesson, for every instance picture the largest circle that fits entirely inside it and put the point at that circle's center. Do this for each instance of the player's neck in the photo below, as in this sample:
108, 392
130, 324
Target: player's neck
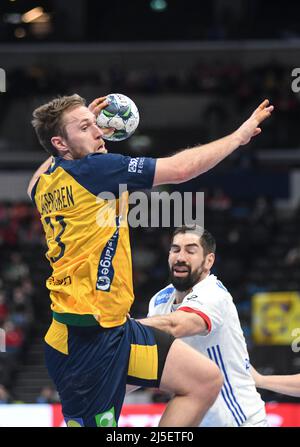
179, 296
67, 156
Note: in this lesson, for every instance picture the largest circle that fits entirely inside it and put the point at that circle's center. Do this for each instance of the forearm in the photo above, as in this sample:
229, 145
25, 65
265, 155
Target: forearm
192, 162
163, 322
178, 324
43, 168
289, 384
200, 159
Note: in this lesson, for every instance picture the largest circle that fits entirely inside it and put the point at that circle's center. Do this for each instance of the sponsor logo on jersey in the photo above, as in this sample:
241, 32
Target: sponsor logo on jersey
59, 282
192, 297
105, 268
106, 419
163, 296
136, 165
103, 283
133, 164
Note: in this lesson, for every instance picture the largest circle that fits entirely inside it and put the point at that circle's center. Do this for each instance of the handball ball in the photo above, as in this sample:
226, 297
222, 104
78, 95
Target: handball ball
120, 114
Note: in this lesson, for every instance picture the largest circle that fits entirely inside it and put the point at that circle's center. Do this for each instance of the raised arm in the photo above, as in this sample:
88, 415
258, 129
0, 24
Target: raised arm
43, 168
190, 163
284, 384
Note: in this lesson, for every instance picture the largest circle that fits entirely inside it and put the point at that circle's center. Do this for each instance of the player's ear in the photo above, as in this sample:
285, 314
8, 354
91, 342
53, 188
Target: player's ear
59, 143
209, 261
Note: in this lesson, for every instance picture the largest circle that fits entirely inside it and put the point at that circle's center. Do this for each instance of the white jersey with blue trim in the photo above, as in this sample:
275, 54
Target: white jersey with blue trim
238, 403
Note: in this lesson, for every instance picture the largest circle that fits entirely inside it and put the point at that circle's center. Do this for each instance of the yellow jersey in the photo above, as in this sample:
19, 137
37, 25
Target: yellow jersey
83, 206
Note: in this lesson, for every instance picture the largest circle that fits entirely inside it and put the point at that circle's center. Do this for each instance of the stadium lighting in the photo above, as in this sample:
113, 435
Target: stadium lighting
32, 15
158, 5
20, 33
13, 18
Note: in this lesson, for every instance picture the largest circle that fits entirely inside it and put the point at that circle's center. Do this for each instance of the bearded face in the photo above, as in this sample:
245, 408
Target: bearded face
187, 262
183, 277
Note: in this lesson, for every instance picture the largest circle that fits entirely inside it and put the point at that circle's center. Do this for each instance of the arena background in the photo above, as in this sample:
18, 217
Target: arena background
195, 70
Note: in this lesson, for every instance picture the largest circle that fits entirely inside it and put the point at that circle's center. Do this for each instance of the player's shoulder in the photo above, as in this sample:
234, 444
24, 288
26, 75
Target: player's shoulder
88, 160
37, 179
112, 166
211, 286
98, 157
218, 285
96, 172
91, 160
162, 296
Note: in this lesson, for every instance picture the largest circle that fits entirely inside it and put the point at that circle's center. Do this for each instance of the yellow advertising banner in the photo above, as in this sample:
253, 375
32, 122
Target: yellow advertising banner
275, 317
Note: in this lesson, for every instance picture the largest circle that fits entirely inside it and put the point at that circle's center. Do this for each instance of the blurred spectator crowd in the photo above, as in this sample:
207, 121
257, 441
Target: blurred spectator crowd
228, 78
20, 232
232, 88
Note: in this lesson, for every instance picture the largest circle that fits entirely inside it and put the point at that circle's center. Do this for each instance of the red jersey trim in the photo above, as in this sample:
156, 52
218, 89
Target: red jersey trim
198, 312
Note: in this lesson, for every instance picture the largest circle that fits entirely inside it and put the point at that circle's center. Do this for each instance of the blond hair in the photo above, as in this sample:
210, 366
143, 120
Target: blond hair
47, 119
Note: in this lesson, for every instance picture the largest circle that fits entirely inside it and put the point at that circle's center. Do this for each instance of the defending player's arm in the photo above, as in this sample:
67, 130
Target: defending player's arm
190, 163
284, 384
178, 324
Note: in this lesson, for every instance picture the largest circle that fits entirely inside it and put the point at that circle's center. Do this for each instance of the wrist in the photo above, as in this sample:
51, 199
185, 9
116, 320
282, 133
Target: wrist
236, 139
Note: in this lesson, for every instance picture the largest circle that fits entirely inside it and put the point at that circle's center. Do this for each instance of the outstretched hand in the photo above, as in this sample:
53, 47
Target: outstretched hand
250, 128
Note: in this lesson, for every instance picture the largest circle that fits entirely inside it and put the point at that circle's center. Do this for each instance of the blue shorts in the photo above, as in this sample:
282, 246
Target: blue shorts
91, 365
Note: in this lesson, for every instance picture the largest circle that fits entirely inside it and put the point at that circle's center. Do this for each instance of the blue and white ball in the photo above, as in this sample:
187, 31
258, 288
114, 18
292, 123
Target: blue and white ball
120, 114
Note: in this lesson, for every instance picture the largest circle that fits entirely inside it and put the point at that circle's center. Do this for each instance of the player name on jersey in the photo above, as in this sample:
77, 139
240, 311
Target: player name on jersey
57, 200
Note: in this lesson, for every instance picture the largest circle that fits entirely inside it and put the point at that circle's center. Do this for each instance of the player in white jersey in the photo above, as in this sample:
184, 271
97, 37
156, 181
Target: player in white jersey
197, 307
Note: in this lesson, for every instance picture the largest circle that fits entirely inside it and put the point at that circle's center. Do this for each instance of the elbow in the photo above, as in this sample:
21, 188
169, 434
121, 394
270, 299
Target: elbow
180, 170
182, 175
188, 324
186, 173
179, 331
176, 333
190, 171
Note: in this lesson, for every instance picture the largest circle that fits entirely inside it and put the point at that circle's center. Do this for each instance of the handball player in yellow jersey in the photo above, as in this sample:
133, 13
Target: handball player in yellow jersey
93, 350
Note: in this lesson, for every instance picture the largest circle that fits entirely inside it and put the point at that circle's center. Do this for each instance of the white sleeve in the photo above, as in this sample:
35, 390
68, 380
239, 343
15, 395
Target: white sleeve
159, 300
211, 308
151, 308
